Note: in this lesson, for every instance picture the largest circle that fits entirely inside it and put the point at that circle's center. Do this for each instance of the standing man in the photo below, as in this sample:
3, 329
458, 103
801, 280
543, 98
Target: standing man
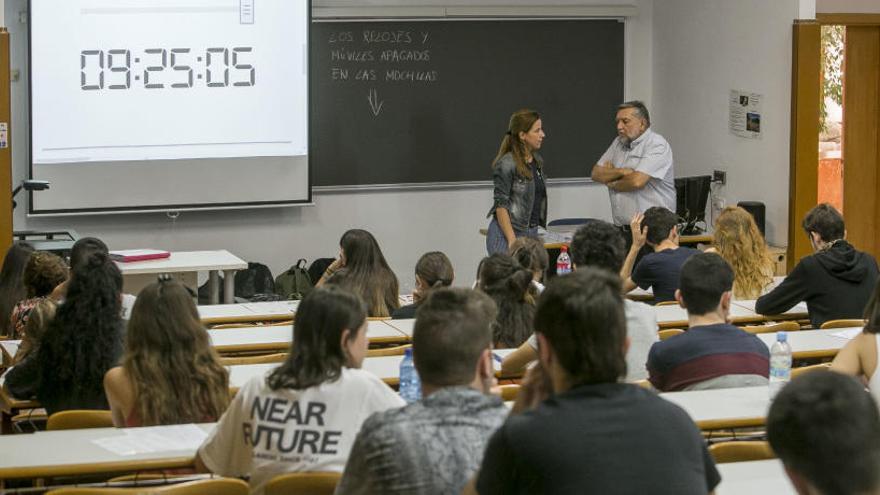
637, 167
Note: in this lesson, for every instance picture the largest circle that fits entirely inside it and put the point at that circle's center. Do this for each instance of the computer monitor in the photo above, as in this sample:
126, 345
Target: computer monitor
691, 196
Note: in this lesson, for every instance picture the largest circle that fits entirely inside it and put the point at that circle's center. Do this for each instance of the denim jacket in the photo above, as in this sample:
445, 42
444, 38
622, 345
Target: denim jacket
516, 193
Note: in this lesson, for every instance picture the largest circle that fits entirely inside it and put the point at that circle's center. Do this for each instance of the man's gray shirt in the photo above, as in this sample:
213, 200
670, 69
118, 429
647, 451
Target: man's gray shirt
433, 446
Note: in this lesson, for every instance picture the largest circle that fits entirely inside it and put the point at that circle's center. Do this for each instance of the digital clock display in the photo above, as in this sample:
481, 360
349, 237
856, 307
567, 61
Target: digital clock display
141, 80
159, 68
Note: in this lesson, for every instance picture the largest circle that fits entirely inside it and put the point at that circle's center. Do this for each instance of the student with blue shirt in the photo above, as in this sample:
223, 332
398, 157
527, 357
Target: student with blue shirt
658, 270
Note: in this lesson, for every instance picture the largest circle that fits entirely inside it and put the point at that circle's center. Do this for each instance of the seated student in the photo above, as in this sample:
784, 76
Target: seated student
531, 254
304, 414
43, 273
170, 374
11, 282
80, 345
598, 244
658, 270
362, 269
38, 322
712, 353
826, 431
594, 434
835, 282
433, 271
859, 356
508, 284
737, 239
436, 444
79, 253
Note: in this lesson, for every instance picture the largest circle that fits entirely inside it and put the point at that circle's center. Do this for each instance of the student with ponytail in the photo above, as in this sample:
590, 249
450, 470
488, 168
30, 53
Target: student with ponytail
531, 254
433, 271
520, 195
508, 284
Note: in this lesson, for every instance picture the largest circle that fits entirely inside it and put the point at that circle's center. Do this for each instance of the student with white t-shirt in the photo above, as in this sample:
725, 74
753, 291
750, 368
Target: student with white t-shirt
303, 415
859, 356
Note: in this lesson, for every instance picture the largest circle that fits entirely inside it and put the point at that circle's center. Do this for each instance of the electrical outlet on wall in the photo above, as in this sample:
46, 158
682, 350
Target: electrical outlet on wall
718, 202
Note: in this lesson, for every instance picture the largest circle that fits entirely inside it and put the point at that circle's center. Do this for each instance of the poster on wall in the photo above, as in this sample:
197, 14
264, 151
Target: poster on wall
745, 114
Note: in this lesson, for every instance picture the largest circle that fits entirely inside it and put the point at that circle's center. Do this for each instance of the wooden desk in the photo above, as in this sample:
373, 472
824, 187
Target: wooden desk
279, 338
74, 452
724, 408
738, 478
139, 274
248, 312
10, 407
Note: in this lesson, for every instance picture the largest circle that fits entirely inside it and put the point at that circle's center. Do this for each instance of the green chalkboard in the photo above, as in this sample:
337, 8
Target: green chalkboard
421, 102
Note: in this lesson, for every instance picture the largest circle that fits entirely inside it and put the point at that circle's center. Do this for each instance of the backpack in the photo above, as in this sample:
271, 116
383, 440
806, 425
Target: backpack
319, 266
255, 279
295, 283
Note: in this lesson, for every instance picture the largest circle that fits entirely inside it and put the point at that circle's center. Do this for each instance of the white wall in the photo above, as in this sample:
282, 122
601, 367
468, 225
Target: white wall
406, 223
702, 50
848, 6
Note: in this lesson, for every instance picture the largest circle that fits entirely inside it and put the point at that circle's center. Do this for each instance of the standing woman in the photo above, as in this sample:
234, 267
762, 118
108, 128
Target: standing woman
520, 194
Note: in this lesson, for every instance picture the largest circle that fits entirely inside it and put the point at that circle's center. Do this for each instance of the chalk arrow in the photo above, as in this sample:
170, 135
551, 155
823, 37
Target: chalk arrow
375, 104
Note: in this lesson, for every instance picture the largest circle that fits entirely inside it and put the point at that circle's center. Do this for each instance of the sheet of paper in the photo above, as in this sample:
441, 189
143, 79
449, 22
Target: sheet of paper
848, 334
153, 439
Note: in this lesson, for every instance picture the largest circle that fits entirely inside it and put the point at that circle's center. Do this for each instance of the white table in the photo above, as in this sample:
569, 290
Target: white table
187, 264
279, 337
797, 312
248, 312
724, 408
809, 344
405, 325
741, 312
74, 452
754, 477
386, 368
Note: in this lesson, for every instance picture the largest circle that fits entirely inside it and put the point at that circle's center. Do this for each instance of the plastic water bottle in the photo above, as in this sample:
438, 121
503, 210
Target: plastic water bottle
563, 262
410, 385
780, 363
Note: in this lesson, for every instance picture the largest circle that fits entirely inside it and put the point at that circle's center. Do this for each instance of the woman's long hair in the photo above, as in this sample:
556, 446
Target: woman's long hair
12, 282
84, 339
367, 274
176, 374
520, 121
508, 284
740, 243
435, 271
317, 355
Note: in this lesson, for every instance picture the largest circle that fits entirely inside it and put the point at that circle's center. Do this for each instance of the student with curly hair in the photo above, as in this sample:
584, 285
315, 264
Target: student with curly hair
11, 282
43, 273
433, 271
170, 374
362, 269
303, 415
508, 283
81, 344
738, 240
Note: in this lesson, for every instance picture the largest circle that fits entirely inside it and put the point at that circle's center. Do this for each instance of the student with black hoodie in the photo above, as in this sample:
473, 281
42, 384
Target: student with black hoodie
836, 281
